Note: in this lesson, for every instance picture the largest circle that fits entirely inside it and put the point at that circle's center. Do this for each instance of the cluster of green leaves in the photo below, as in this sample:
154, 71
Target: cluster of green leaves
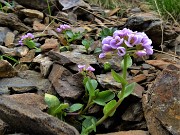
2, 57
73, 36
107, 32
31, 44
87, 43
5, 5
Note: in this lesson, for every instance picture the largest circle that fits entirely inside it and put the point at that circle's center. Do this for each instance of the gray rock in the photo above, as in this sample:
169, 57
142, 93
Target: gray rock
12, 21
6, 69
161, 103
3, 32
45, 64
32, 13
66, 84
72, 58
30, 119
17, 51
133, 113
27, 79
3, 126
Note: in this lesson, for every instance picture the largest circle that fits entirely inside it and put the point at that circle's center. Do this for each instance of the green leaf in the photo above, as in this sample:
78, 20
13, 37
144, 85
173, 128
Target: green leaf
51, 100
129, 89
129, 62
75, 107
9, 57
91, 86
97, 50
118, 78
60, 108
30, 44
89, 121
85, 42
69, 34
108, 107
104, 97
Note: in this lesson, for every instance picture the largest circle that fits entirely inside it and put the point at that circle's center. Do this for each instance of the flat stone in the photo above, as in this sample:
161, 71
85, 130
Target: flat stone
3, 32
30, 119
161, 103
17, 51
6, 69
139, 78
70, 58
49, 44
32, 13
45, 64
29, 57
131, 132
9, 39
30, 99
37, 26
159, 63
65, 83
26, 79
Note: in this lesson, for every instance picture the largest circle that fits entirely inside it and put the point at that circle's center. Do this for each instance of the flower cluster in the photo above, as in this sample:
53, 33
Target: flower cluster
28, 36
126, 40
63, 27
83, 68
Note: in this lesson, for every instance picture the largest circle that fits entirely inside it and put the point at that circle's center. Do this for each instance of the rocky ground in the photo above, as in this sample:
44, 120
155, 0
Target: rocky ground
153, 107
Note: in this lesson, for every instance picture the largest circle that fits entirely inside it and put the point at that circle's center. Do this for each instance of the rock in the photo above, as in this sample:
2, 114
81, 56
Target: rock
70, 58
32, 13
30, 99
159, 63
6, 69
11, 20
138, 78
30, 119
36, 4
17, 51
161, 103
27, 79
4, 90
49, 44
45, 64
131, 132
108, 82
9, 39
3, 32
133, 113
3, 126
37, 26
65, 83
29, 57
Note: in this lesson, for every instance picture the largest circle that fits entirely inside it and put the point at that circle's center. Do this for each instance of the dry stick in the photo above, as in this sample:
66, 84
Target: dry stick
162, 30
95, 15
167, 54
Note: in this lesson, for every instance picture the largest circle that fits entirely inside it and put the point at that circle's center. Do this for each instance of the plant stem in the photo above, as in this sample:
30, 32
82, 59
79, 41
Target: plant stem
89, 129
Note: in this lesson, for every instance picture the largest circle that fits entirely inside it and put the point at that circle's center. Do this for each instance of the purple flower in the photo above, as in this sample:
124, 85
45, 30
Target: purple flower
90, 69
102, 55
141, 53
121, 51
116, 42
106, 48
28, 36
149, 50
81, 67
107, 40
122, 33
63, 27
133, 39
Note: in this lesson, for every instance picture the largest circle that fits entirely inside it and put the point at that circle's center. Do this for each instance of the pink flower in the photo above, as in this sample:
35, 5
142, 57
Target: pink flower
90, 69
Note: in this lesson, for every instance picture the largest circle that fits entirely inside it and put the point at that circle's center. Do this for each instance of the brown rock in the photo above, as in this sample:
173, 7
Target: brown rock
3, 126
132, 132
160, 104
9, 39
6, 69
30, 119
33, 13
49, 44
29, 57
65, 83
139, 78
37, 26
30, 99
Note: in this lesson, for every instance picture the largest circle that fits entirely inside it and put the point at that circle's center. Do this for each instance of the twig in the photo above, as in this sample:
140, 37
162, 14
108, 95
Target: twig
167, 53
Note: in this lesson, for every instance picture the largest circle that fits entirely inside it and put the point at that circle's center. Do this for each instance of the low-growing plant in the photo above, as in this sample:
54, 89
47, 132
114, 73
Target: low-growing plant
123, 43
87, 43
28, 41
9, 57
107, 32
